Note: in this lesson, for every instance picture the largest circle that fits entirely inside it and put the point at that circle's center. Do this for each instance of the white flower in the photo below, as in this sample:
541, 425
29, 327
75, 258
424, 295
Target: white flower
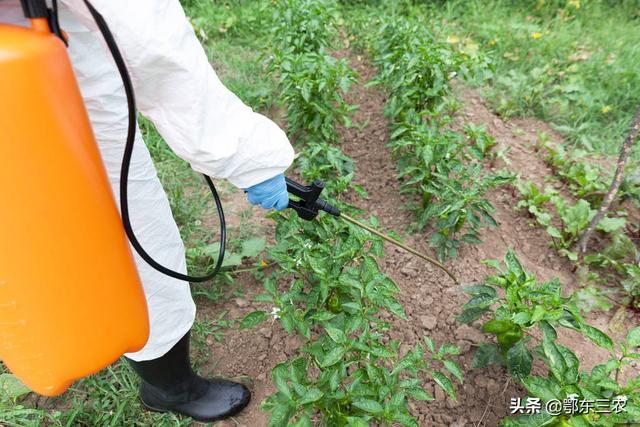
274, 312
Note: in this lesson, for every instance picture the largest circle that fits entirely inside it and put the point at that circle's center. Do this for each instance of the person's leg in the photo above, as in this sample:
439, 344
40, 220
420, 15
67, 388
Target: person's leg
168, 382
171, 308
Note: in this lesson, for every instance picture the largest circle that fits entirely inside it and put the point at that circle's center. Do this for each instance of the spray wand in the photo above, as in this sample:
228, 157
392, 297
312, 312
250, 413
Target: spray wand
310, 204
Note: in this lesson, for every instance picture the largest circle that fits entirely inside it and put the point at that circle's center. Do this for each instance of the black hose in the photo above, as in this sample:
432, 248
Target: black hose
126, 163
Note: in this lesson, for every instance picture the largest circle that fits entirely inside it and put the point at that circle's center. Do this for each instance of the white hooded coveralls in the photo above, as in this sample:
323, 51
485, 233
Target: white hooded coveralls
201, 120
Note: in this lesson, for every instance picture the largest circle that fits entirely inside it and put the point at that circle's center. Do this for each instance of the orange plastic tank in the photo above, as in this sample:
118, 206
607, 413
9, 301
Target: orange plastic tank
71, 301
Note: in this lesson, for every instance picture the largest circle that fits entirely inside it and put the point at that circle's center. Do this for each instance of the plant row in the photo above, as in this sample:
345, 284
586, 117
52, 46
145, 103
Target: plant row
439, 166
328, 288
524, 315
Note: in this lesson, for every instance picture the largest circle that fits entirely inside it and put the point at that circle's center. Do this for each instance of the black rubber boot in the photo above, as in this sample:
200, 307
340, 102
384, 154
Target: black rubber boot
168, 384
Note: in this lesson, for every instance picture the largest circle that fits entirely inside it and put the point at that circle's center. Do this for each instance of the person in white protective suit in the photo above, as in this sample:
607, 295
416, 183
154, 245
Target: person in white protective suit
205, 124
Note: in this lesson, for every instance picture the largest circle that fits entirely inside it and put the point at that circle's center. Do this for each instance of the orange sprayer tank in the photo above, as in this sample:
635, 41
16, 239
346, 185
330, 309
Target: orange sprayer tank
71, 301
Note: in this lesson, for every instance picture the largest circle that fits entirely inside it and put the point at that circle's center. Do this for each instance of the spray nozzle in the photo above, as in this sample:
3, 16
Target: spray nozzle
309, 203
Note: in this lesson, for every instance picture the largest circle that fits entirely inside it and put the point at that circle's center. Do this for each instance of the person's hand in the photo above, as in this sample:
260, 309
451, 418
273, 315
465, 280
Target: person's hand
271, 193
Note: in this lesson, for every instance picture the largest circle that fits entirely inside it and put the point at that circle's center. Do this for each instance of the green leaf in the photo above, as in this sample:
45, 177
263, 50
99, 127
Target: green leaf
454, 369
445, 383
280, 415
519, 360
409, 383
306, 91
548, 331
263, 298
538, 313
11, 387
231, 260
522, 318
312, 395
486, 354
541, 387
253, 319
336, 334
399, 131
419, 394
368, 405
405, 419
513, 263
497, 326
252, 247
471, 238
430, 345
494, 263
633, 337
554, 232
597, 337
555, 359
395, 307
427, 155
573, 256
536, 420
572, 363
580, 421
480, 301
479, 290
610, 225
279, 375
333, 357
469, 315
271, 286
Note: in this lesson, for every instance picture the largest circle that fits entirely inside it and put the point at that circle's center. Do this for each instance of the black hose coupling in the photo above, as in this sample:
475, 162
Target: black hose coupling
309, 203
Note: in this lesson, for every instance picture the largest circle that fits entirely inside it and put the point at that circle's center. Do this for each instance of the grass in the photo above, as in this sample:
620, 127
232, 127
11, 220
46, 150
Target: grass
105, 399
571, 63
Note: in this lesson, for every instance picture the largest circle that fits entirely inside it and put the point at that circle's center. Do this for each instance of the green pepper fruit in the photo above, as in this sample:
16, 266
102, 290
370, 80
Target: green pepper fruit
509, 338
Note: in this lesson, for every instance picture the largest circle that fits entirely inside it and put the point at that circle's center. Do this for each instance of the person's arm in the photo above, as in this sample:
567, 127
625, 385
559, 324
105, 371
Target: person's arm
178, 90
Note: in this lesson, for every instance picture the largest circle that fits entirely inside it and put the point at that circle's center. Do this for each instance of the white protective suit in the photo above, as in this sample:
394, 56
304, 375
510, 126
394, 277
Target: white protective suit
201, 120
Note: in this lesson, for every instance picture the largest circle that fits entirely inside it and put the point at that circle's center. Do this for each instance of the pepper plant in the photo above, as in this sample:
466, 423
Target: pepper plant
523, 305
566, 383
301, 26
311, 86
348, 370
481, 142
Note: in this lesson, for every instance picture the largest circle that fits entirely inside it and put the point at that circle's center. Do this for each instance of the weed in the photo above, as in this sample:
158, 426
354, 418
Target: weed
618, 263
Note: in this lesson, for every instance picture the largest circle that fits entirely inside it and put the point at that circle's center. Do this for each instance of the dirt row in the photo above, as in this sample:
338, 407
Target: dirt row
430, 298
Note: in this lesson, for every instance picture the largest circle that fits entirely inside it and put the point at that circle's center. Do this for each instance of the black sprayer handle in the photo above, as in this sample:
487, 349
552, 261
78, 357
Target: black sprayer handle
309, 203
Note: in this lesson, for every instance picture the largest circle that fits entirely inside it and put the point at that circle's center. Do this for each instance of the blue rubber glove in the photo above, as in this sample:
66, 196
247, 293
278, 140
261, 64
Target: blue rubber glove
271, 193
